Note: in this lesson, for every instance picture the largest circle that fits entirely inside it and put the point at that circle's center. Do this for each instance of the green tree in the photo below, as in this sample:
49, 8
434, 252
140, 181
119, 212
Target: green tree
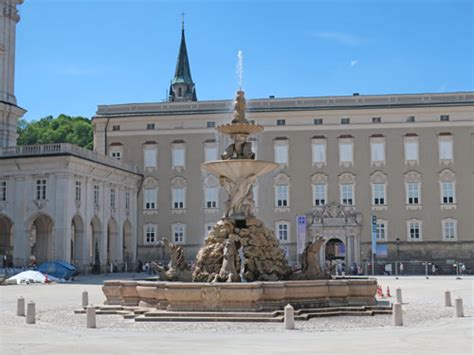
62, 129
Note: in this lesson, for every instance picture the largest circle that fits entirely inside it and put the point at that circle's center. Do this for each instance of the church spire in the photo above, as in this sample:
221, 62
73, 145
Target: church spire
182, 86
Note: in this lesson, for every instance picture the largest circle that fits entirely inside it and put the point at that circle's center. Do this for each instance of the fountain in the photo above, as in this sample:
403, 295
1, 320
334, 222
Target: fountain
241, 267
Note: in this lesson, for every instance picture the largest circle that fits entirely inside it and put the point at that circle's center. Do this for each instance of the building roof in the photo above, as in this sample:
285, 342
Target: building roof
290, 104
182, 73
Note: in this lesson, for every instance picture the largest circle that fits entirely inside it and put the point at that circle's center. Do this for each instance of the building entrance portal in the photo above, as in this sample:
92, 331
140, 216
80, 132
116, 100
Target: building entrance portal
340, 227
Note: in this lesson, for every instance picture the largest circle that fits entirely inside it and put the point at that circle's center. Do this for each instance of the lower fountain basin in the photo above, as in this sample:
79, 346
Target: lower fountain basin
241, 297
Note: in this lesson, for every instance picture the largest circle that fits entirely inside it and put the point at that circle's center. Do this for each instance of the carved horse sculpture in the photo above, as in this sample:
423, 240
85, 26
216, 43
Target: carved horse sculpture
310, 269
178, 269
229, 271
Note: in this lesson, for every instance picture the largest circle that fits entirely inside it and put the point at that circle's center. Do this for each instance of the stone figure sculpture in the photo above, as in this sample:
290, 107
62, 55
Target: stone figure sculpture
178, 269
239, 108
229, 271
240, 200
310, 269
240, 149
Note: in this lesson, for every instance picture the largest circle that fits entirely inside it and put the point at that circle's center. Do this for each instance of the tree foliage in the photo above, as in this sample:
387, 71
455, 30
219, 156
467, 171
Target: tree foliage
62, 129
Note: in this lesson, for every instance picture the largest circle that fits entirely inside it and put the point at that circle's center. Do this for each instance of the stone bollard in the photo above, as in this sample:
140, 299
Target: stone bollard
447, 298
289, 317
90, 310
20, 307
30, 313
459, 307
85, 299
397, 317
398, 297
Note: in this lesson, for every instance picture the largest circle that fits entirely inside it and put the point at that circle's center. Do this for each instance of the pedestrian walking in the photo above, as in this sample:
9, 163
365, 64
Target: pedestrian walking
401, 268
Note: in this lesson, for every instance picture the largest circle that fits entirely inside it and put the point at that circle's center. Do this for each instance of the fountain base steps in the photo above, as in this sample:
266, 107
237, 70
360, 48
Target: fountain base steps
142, 314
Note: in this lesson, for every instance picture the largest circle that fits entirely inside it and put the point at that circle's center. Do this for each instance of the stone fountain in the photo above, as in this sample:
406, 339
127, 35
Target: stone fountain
260, 257
241, 267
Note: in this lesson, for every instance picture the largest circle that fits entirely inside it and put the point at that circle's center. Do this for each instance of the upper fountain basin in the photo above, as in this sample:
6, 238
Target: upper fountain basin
239, 128
239, 168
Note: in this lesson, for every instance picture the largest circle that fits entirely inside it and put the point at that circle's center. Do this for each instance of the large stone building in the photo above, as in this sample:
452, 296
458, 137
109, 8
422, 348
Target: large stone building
59, 201
405, 159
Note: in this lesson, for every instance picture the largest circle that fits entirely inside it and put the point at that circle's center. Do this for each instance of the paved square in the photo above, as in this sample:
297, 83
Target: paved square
429, 327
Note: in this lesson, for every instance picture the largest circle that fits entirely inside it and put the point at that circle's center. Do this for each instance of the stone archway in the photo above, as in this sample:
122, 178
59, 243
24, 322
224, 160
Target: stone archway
77, 241
334, 221
6, 241
112, 241
94, 244
41, 239
127, 251
335, 249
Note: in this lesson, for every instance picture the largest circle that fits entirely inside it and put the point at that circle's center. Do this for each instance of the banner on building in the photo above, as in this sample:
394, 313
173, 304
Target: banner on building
382, 250
300, 233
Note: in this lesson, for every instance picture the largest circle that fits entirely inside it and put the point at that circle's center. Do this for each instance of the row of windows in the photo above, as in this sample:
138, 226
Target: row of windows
282, 195
318, 146
316, 121
41, 193
283, 228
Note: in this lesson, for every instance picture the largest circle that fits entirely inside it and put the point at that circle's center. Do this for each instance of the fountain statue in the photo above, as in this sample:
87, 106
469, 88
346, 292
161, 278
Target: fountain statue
238, 171
239, 250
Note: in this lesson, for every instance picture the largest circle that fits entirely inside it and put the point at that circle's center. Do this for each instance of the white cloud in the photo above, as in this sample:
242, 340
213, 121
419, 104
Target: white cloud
354, 62
341, 38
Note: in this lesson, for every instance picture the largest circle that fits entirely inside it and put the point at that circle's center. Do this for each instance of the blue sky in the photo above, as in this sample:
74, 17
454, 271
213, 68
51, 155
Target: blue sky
75, 54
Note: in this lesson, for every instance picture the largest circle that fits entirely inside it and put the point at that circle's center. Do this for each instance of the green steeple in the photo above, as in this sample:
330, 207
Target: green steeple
182, 86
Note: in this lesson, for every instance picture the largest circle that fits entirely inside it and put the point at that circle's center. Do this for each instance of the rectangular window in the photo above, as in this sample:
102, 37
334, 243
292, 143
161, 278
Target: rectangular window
281, 196
319, 194
3, 190
150, 234
127, 200
281, 153
447, 192
345, 120
178, 233
210, 152
345, 152
445, 149
444, 118
414, 231
413, 193
411, 150
410, 119
116, 127
150, 196
178, 157
377, 151
281, 122
319, 152
116, 153
376, 119
378, 194
283, 232
381, 230
347, 194
112, 198
150, 158
318, 121
96, 195
210, 124
41, 189
211, 195
150, 126
78, 190
178, 197
449, 229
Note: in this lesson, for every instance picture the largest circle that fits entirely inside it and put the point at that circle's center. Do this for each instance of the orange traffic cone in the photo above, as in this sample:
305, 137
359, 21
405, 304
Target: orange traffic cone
388, 292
